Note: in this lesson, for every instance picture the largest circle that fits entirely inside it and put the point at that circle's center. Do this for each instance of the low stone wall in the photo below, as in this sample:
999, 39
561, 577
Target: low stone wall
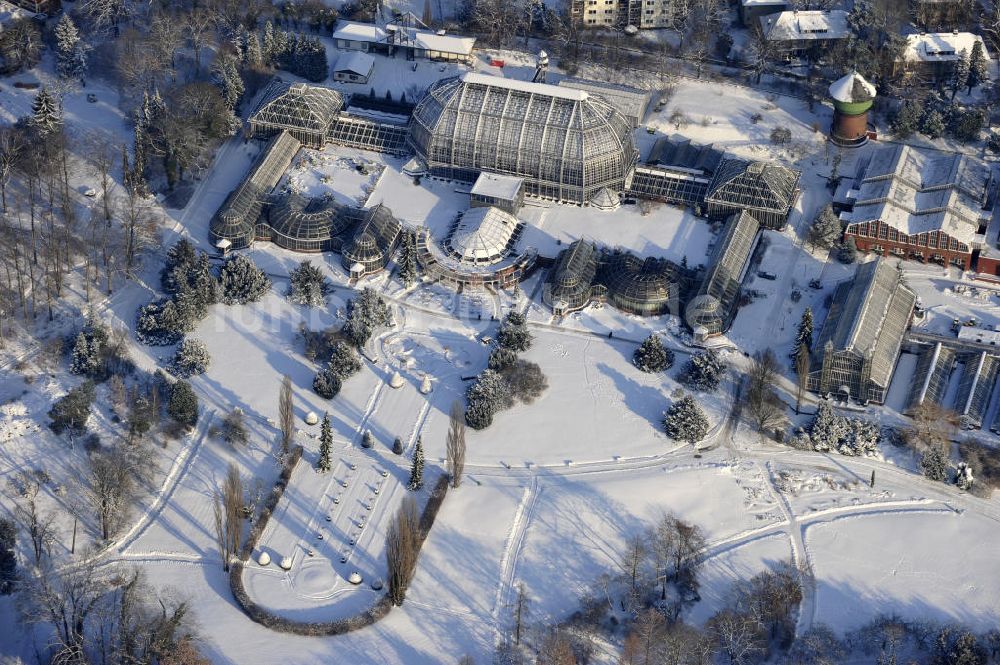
319, 628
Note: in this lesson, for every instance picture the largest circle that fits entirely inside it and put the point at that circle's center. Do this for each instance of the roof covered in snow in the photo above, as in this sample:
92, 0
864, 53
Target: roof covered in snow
483, 235
359, 32
524, 86
852, 88
355, 62
940, 46
753, 185
497, 186
918, 192
631, 102
404, 35
805, 25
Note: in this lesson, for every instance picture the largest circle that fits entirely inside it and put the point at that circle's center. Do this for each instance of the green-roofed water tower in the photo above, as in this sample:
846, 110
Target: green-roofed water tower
852, 97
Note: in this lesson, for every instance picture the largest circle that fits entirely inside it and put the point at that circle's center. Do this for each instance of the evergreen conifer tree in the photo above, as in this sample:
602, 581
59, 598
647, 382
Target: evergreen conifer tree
978, 70
307, 285
933, 125
960, 73
46, 112
685, 421
652, 356
242, 281
325, 444
183, 404
825, 230
907, 120
85, 359
417, 469
805, 332
934, 464
408, 260
71, 57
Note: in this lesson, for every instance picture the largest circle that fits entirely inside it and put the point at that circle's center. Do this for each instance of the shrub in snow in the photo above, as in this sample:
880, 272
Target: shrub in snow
652, 356
98, 354
367, 440
489, 394
397, 446
514, 334
526, 380
685, 421
233, 429
861, 440
847, 253
183, 405
307, 285
501, 358
326, 384
703, 372
963, 476
70, 412
364, 314
192, 358
344, 362
934, 464
242, 281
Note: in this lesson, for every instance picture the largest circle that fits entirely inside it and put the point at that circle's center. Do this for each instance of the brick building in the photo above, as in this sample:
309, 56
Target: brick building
920, 206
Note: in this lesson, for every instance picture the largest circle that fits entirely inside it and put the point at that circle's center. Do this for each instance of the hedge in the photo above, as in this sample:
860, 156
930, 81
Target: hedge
316, 628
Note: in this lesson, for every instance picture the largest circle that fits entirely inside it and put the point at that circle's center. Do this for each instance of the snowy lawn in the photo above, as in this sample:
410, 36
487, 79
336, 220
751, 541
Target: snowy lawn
928, 565
348, 178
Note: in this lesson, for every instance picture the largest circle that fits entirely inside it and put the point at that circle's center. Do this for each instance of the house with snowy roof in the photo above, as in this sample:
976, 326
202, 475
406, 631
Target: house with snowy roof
795, 31
923, 206
403, 39
932, 55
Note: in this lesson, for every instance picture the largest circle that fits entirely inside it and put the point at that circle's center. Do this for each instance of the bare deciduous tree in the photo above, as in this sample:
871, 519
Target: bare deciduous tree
36, 522
402, 545
802, 372
764, 408
455, 443
228, 516
12, 143
521, 606
286, 414
738, 635
110, 489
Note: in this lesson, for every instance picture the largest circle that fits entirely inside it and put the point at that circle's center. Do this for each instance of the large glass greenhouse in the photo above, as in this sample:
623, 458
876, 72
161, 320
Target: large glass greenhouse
374, 241
307, 225
766, 190
236, 220
483, 235
568, 285
856, 351
565, 143
307, 112
647, 287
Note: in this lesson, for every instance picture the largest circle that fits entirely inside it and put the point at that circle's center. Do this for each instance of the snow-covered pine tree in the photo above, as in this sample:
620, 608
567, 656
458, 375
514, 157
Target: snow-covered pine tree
703, 372
514, 333
827, 429
344, 362
934, 464
960, 73
805, 332
685, 421
71, 55
242, 281
978, 66
192, 358
933, 124
183, 404
652, 356
326, 384
417, 468
861, 439
253, 54
488, 395
46, 112
268, 46
307, 285
325, 444
408, 260
85, 359
501, 358
825, 230
364, 314
226, 76
906, 120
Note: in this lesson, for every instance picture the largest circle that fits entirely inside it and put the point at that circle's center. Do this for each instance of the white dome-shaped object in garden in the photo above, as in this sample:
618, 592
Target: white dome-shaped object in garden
355, 578
312, 418
286, 563
377, 584
396, 381
425, 385
264, 559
